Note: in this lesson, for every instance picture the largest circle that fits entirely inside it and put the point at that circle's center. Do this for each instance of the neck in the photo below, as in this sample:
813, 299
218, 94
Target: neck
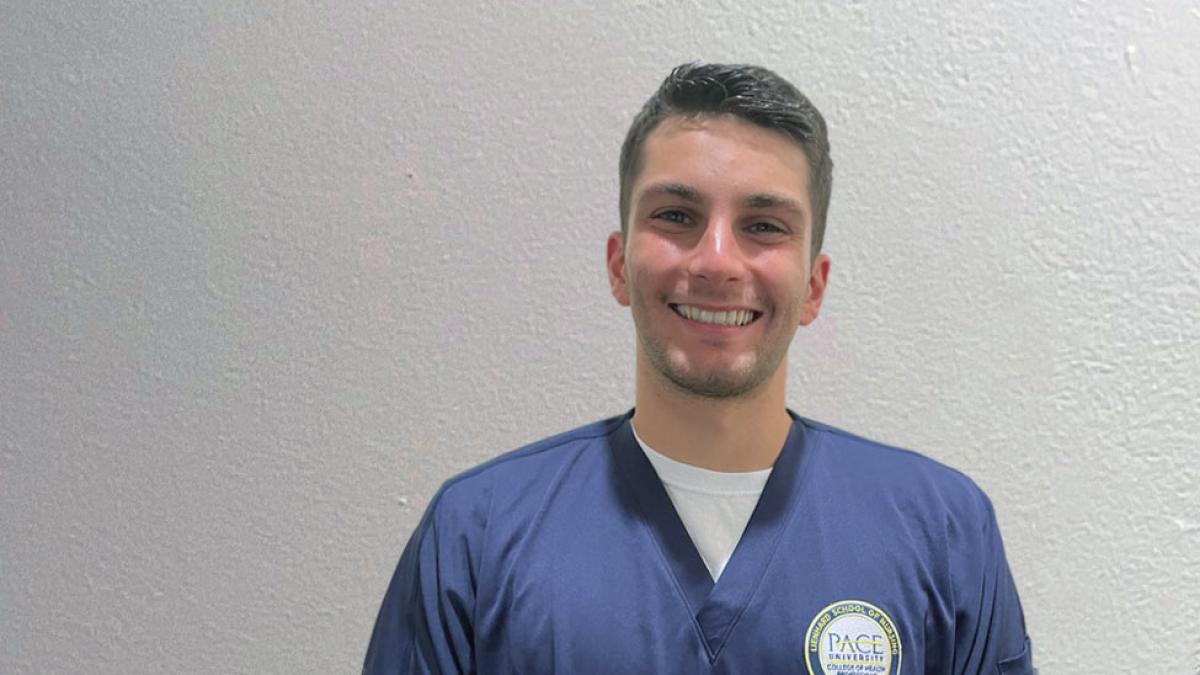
743, 433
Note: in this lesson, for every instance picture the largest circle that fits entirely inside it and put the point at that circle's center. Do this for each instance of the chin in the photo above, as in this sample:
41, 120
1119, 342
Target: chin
712, 382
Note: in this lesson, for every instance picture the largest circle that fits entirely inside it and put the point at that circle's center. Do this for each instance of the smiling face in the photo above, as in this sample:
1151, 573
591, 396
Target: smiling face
715, 265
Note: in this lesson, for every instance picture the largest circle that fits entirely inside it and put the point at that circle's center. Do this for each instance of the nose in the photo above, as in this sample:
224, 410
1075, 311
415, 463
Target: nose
717, 256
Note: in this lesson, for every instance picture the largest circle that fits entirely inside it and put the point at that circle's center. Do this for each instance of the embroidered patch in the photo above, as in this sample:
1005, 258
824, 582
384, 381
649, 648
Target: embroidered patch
852, 637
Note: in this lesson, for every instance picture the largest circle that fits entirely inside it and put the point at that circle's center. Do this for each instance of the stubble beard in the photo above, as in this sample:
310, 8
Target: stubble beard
708, 382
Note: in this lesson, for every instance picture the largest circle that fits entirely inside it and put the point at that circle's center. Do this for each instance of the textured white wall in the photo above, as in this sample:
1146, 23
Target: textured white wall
270, 275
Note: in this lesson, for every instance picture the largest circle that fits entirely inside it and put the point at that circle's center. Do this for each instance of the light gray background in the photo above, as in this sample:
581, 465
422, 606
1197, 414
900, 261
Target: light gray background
272, 273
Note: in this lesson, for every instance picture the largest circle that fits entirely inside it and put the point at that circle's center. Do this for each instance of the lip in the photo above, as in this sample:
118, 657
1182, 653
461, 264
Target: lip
718, 308
713, 329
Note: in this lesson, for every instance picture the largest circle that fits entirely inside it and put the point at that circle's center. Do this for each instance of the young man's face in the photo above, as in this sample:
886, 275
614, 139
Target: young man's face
716, 266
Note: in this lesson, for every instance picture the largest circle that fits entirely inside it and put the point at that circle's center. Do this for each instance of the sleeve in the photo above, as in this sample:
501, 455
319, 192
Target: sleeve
425, 623
989, 633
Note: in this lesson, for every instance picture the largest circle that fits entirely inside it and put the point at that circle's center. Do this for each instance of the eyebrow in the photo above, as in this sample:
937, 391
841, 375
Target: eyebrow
765, 200
684, 192
758, 200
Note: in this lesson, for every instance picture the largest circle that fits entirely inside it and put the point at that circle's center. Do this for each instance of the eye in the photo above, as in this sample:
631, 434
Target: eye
671, 216
764, 227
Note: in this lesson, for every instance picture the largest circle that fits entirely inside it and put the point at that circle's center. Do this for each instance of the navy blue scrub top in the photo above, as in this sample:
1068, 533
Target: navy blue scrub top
567, 556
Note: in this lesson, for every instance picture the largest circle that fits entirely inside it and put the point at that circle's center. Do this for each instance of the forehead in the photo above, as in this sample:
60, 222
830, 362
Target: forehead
719, 155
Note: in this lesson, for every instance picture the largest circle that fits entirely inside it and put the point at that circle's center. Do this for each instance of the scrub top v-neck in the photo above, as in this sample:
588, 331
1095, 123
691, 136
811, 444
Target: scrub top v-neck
715, 606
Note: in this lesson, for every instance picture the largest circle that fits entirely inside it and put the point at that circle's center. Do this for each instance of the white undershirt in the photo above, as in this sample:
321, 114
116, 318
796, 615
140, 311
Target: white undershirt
713, 505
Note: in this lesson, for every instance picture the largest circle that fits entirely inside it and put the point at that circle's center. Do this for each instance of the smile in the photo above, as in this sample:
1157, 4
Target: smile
737, 317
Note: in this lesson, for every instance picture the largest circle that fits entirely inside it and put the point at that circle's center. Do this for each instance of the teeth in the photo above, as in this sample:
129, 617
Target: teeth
735, 318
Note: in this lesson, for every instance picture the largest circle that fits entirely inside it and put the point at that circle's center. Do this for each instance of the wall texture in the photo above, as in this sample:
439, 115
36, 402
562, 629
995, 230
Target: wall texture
269, 275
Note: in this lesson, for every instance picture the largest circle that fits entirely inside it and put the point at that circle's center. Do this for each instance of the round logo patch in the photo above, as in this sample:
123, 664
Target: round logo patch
852, 637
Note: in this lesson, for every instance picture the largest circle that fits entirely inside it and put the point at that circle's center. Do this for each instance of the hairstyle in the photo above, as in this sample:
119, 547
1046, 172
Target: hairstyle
751, 93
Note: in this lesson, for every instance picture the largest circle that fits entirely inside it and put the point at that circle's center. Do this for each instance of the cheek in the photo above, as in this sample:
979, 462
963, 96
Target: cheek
787, 294
649, 265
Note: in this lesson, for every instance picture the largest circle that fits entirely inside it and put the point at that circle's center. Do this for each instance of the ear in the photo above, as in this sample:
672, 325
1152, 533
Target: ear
616, 268
818, 279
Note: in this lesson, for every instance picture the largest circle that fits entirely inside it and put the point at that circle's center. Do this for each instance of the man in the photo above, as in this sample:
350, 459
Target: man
709, 530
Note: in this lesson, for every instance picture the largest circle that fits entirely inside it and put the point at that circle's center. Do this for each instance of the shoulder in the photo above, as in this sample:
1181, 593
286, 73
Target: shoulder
521, 474
897, 475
